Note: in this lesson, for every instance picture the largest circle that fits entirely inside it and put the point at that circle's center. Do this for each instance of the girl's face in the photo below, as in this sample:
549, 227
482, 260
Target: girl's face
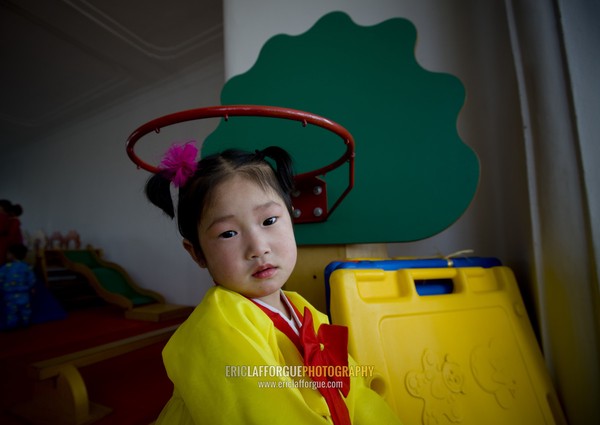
247, 239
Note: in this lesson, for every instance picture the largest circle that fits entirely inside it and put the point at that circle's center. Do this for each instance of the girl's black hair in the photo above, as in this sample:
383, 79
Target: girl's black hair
211, 171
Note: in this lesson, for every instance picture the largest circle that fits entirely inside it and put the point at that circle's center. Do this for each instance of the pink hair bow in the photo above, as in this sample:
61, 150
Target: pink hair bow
179, 163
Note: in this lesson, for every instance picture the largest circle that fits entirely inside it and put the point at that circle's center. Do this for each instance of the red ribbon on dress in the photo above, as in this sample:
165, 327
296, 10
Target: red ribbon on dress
328, 347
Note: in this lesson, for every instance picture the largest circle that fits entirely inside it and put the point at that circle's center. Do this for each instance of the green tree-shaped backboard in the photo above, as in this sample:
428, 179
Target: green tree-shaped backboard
414, 175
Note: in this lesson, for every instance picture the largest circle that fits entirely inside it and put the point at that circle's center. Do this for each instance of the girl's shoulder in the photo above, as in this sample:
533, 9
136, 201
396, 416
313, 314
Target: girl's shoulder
222, 319
224, 308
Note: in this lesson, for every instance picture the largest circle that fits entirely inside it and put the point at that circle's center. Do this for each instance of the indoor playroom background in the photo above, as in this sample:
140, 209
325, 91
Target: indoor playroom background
528, 69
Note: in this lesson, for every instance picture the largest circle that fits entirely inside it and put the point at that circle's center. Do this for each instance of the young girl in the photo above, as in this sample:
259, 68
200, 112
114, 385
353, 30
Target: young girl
251, 353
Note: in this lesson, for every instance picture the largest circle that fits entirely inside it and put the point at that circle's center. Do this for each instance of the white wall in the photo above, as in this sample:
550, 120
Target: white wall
81, 178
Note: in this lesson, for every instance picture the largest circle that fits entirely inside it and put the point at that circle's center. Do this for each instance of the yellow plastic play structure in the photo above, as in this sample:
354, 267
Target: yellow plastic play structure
458, 351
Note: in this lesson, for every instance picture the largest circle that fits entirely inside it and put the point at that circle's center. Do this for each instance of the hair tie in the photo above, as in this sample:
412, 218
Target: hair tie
179, 163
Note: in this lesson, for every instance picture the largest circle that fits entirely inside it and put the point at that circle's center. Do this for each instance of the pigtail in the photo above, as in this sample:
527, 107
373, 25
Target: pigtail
283, 167
158, 191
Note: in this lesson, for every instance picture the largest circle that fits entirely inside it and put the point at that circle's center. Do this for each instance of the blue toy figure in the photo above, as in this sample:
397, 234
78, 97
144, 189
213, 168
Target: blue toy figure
16, 281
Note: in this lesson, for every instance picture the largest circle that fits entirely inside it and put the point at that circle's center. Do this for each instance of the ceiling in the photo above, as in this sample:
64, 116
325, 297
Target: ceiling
64, 59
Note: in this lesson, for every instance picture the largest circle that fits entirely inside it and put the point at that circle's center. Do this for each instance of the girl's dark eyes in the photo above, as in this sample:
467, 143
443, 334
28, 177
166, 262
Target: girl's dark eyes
270, 221
231, 233
228, 234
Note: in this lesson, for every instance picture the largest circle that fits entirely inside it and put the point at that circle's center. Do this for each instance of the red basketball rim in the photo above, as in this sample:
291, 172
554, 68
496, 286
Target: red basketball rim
226, 111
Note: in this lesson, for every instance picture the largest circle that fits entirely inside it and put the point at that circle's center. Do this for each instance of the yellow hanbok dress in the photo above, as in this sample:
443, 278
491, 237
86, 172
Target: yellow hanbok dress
214, 360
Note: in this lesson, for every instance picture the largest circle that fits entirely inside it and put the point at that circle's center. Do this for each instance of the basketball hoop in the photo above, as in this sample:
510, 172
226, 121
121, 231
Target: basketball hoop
310, 197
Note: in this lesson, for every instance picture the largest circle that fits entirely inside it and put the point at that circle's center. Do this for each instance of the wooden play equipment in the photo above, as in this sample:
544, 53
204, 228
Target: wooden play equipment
61, 397
109, 281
